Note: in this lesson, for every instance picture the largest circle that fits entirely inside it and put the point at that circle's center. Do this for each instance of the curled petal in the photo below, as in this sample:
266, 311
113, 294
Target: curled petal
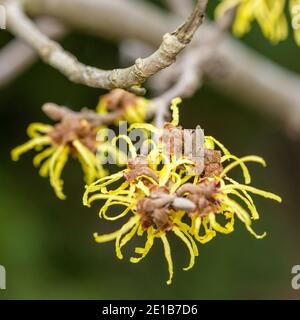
145, 126
37, 160
174, 107
241, 162
211, 141
259, 192
31, 144
44, 170
56, 165
251, 207
226, 230
112, 236
243, 216
209, 233
98, 185
121, 243
132, 148
90, 165
168, 257
254, 212
109, 203
182, 236
35, 130
144, 251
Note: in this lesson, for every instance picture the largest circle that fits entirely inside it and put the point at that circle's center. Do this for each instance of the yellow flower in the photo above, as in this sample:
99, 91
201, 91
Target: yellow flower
220, 195
269, 14
159, 192
216, 177
147, 193
72, 136
130, 107
224, 188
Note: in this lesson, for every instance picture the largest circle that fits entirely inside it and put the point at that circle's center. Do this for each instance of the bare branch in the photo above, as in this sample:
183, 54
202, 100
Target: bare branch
191, 68
248, 77
53, 54
186, 32
57, 113
116, 101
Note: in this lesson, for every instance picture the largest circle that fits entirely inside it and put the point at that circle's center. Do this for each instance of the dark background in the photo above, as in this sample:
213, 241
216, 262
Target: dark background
47, 246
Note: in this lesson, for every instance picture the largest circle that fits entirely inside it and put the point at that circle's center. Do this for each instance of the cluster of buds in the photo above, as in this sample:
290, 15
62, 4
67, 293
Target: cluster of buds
130, 107
161, 192
269, 14
75, 134
181, 185
179, 181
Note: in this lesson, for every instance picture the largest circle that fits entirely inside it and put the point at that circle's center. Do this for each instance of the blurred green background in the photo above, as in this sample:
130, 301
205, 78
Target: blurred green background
47, 245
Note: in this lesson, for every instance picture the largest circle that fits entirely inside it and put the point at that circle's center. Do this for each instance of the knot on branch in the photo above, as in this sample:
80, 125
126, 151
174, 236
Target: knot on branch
170, 47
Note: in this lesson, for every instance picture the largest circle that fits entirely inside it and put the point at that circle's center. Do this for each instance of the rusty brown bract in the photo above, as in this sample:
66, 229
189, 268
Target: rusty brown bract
155, 209
119, 99
72, 128
139, 167
178, 142
202, 195
212, 163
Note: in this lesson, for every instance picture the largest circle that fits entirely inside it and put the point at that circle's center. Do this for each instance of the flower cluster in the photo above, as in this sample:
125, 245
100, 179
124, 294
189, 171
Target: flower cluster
78, 134
162, 193
269, 14
130, 107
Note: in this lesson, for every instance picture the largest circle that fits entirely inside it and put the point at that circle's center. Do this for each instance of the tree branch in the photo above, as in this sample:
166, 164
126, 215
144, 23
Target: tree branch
57, 113
249, 78
190, 71
53, 54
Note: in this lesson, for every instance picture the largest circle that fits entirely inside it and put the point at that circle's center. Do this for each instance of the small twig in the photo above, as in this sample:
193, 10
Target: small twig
265, 87
191, 67
53, 54
57, 113
186, 32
